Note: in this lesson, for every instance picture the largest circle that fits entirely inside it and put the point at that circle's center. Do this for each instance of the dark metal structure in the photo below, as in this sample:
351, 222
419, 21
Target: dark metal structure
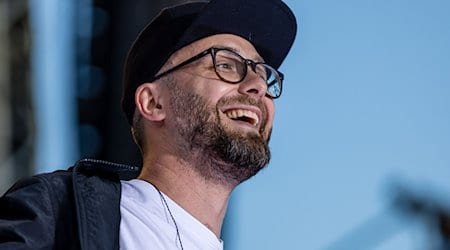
115, 26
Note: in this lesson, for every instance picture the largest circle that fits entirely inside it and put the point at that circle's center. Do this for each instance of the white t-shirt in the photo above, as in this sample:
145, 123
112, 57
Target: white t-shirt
147, 224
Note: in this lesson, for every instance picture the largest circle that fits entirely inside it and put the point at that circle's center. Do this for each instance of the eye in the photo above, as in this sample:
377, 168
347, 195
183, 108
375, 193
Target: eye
225, 66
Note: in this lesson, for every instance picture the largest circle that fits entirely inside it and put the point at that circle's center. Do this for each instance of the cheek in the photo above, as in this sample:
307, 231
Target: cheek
211, 88
270, 113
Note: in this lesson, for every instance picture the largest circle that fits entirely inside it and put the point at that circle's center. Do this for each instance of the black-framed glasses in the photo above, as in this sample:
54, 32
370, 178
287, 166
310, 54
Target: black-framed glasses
232, 68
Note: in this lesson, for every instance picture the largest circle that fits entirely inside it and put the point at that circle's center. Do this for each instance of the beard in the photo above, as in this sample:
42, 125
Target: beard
217, 152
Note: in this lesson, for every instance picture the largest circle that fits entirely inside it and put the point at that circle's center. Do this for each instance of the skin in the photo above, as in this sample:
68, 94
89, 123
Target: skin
164, 165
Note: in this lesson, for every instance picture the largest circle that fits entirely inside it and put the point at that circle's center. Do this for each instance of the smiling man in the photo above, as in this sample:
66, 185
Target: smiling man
199, 89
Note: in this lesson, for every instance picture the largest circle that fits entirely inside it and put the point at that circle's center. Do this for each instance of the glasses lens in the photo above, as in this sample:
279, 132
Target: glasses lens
272, 79
229, 66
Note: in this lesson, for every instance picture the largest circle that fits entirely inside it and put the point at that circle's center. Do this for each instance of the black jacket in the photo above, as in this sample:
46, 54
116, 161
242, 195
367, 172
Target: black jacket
77, 208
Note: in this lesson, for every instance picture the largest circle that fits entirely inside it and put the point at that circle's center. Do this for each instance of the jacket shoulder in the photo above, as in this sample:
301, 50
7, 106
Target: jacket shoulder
78, 208
35, 210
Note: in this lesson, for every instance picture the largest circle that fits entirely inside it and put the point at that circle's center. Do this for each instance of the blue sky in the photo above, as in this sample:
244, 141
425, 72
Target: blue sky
365, 107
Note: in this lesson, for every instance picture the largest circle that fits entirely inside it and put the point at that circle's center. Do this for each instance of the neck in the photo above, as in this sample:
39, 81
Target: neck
203, 199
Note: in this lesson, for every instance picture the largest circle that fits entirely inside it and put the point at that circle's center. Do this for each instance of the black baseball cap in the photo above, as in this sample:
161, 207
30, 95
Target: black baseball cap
268, 24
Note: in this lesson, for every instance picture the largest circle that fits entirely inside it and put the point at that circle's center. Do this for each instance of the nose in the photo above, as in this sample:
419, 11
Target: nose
253, 85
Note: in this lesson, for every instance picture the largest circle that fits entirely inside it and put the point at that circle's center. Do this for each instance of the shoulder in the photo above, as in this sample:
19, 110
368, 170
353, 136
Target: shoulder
59, 186
50, 204
41, 185
31, 205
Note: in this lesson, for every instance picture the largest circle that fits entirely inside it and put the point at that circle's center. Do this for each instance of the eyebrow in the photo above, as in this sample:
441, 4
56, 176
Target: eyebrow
257, 58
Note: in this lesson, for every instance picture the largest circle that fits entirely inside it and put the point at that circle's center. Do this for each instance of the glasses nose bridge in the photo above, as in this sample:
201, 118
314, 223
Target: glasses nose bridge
250, 63
253, 85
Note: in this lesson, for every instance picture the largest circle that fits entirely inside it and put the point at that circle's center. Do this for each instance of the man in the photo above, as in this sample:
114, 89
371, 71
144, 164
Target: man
199, 89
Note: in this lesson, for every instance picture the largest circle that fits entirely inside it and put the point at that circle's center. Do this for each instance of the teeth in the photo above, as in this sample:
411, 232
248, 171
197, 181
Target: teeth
240, 113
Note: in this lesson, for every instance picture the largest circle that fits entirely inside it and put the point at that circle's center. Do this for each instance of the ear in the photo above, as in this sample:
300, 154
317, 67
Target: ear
147, 97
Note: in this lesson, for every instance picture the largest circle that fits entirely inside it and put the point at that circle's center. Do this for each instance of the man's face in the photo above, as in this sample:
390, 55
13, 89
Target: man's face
227, 126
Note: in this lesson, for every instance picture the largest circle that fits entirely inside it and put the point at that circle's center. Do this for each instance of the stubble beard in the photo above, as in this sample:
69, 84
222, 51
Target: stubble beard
217, 153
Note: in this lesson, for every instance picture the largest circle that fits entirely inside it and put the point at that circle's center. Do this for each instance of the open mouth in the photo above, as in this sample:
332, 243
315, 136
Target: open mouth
243, 116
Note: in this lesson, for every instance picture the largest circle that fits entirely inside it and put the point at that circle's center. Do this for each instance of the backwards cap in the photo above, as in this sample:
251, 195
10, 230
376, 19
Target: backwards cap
268, 24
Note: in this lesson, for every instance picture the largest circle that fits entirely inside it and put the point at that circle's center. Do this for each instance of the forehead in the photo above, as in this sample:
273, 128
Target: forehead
233, 42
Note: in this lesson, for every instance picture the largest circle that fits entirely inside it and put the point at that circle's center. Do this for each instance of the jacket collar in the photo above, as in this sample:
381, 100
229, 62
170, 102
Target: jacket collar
97, 193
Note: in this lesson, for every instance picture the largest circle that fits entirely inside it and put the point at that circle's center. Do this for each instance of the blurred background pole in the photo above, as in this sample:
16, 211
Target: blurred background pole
5, 111
53, 81
16, 111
